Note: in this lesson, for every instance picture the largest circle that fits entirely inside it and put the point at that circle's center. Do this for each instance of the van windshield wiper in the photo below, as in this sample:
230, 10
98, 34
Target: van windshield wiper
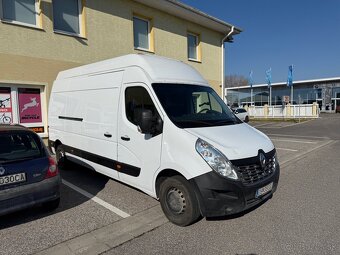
226, 122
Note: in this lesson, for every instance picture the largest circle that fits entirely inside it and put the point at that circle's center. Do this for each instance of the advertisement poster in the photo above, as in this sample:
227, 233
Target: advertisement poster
29, 105
5, 106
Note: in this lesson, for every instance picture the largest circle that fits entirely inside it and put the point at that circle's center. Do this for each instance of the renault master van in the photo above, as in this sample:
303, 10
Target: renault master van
156, 124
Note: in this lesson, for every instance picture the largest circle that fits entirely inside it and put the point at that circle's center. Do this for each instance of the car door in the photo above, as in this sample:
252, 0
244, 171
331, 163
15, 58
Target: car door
139, 155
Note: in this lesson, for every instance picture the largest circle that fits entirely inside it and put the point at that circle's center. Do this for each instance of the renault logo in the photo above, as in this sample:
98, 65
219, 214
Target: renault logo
2, 170
262, 160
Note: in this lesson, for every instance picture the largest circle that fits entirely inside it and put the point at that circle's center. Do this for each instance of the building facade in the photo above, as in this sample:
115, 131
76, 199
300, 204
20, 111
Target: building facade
39, 38
325, 92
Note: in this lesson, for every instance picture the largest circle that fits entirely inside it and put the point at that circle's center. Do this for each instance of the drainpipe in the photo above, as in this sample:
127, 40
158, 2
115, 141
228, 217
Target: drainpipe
222, 71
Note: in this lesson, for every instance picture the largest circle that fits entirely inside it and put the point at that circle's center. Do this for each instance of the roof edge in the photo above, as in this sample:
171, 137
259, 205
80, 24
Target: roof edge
285, 83
191, 14
197, 11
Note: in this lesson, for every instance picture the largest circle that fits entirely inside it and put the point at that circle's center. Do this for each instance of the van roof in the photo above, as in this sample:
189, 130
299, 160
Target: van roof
159, 69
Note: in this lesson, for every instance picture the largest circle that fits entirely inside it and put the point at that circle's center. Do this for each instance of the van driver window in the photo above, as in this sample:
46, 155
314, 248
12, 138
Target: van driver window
137, 97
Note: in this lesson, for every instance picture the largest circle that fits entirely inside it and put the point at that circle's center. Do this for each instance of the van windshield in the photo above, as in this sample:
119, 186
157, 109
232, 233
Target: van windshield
190, 106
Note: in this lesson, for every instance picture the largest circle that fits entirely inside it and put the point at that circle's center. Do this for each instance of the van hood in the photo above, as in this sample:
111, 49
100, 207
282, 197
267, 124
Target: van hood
234, 141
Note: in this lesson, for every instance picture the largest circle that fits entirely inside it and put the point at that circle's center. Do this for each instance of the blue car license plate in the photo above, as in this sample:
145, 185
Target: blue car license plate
14, 178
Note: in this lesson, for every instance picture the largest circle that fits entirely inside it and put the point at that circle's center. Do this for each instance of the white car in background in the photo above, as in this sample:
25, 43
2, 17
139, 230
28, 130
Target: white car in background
241, 113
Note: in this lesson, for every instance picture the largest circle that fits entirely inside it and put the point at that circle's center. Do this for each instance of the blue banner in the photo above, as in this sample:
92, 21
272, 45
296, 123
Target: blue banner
290, 76
250, 80
269, 77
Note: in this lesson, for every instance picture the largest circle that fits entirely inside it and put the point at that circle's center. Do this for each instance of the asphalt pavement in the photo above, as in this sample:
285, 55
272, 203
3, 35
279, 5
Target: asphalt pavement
303, 217
99, 215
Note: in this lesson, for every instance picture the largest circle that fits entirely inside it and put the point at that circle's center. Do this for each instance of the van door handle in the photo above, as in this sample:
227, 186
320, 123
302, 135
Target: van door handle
125, 138
107, 135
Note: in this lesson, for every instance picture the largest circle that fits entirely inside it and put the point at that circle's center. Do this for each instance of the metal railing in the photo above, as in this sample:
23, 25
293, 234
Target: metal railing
284, 111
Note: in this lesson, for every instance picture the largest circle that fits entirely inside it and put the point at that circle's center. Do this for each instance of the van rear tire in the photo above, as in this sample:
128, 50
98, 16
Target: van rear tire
61, 157
178, 201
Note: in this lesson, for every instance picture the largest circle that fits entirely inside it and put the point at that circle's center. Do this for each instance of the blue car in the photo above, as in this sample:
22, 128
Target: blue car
28, 174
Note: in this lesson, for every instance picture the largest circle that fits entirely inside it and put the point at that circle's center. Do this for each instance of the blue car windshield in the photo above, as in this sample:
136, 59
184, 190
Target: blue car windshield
191, 106
18, 146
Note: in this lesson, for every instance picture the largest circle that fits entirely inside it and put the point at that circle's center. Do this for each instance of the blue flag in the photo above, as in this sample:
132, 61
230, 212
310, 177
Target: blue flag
269, 77
290, 76
250, 80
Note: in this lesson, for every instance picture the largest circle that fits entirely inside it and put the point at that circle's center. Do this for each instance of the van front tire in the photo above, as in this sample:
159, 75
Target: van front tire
178, 201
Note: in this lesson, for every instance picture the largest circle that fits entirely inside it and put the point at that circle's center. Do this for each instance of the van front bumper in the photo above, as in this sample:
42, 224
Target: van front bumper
220, 196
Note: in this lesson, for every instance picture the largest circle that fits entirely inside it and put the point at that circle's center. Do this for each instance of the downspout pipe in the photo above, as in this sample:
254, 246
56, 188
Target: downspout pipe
223, 61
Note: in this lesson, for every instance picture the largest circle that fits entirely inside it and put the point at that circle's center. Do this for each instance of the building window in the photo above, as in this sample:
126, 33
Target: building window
19, 11
67, 16
193, 47
141, 33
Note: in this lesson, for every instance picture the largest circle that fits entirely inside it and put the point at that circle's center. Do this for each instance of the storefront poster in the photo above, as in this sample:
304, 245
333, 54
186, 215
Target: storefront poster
5, 106
29, 105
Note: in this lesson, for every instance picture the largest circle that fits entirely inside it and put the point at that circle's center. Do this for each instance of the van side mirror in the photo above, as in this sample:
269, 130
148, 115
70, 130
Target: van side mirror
144, 119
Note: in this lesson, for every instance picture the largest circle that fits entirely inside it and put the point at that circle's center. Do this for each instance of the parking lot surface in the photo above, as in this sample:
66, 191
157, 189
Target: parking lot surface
98, 214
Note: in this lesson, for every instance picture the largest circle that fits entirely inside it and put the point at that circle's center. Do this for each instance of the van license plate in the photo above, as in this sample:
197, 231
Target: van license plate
264, 190
15, 178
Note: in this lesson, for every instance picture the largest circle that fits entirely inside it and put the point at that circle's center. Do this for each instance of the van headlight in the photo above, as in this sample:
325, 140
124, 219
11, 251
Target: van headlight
215, 159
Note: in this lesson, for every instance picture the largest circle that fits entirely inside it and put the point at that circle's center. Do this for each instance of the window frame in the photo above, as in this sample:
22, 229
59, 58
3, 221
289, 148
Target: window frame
81, 22
38, 17
198, 47
150, 33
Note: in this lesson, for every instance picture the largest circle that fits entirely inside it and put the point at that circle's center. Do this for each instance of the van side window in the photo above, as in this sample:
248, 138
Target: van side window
137, 98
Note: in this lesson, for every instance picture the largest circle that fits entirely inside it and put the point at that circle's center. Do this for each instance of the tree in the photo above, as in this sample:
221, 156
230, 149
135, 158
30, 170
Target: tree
235, 81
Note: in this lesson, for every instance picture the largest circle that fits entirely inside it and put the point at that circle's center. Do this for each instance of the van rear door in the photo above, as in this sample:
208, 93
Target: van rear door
139, 154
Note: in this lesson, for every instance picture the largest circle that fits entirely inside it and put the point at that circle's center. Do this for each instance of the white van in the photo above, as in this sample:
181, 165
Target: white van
156, 124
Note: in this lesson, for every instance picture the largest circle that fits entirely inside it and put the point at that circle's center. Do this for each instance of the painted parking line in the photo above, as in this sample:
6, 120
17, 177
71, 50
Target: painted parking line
96, 199
299, 136
284, 149
293, 141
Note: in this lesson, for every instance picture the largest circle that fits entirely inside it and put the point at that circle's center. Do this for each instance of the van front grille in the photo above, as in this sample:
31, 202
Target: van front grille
253, 173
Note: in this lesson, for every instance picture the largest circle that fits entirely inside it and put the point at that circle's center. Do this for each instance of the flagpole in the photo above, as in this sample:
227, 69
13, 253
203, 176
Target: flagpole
291, 94
270, 95
251, 97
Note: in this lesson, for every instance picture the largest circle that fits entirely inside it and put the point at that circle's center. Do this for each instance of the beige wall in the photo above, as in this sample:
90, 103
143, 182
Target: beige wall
37, 55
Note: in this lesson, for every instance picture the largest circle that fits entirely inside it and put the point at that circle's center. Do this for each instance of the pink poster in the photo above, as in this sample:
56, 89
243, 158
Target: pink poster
29, 105
5, 106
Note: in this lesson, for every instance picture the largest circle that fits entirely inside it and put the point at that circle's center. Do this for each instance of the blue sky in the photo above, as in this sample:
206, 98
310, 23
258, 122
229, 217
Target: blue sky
276, 34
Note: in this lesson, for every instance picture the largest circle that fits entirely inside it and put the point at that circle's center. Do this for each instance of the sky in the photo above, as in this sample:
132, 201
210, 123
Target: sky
276, 34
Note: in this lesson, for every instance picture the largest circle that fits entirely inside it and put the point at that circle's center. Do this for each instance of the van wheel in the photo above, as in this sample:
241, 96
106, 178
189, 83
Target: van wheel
178, 201
61, 157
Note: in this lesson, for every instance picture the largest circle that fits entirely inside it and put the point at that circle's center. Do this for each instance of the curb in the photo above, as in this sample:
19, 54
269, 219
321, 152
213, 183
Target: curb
111, 236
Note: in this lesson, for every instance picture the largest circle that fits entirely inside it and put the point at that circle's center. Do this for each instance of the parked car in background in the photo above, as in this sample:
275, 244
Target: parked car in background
28, 174
241, 113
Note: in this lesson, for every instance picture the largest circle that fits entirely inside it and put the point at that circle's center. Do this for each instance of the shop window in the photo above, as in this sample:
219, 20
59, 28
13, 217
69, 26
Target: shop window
19, 11
193, 47
6, 116
68, 17
29, 105
23, 105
